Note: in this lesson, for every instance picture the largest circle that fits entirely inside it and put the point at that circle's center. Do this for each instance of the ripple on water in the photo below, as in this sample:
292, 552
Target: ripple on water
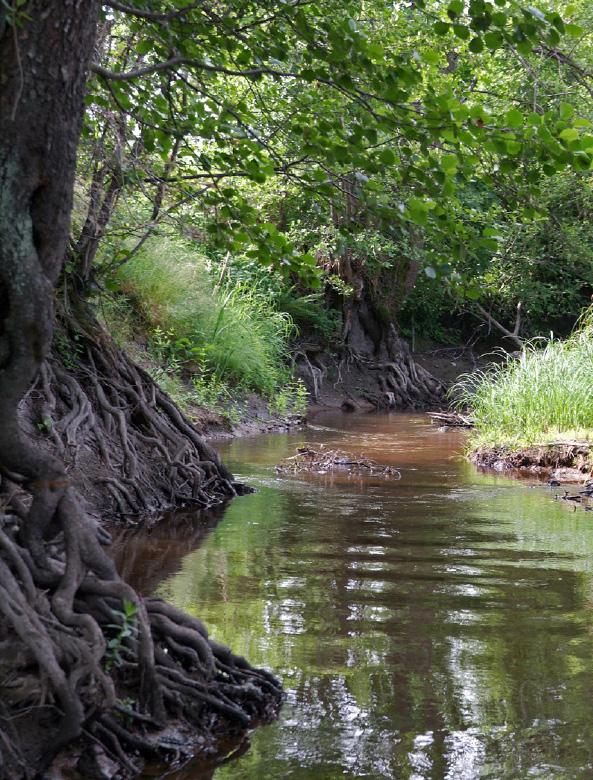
437, 627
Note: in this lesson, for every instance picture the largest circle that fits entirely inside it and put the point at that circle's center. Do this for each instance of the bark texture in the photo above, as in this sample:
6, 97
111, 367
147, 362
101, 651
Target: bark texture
82, 656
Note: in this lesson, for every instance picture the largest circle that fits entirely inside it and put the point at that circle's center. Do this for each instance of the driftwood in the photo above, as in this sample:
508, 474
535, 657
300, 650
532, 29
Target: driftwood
321, 461
451, 419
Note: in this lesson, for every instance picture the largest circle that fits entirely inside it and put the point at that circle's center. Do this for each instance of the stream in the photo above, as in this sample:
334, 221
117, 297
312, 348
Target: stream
439, 626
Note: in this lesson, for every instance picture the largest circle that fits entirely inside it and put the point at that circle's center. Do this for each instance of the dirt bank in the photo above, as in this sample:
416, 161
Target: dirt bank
562, 461
252, 415
357, 383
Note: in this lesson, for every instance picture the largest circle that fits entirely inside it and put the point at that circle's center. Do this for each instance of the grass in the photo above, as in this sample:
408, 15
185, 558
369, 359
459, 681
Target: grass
545, 395
213, 344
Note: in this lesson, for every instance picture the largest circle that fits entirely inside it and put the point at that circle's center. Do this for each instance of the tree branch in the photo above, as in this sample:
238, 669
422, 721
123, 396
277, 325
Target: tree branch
514, 334
152, 15
173, 62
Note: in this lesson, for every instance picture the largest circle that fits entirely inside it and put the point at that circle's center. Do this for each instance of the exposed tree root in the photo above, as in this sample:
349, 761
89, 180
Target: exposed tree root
402, 382
383, 372
84, 658
74, 671
127, 446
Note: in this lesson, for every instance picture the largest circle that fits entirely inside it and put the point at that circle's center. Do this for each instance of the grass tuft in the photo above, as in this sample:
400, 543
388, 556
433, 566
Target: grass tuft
544, 395
206, 344
231, 334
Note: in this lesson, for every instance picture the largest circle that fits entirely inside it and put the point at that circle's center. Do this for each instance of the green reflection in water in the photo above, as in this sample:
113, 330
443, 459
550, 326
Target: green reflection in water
437, 627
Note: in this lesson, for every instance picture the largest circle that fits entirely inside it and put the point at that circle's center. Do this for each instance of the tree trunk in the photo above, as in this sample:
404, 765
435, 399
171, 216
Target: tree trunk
374, 363
381, 362
75, 640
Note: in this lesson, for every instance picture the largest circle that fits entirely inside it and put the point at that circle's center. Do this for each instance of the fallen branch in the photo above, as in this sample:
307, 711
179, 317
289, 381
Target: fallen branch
512, 335
451, 419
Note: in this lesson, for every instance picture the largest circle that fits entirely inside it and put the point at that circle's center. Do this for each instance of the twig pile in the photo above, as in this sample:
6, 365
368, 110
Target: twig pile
320, 461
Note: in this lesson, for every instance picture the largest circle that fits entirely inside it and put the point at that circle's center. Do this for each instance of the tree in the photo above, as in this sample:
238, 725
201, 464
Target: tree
59, 591
383, 115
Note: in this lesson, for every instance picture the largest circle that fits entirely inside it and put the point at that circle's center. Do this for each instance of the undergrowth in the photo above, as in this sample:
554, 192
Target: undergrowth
207, 344
544, 395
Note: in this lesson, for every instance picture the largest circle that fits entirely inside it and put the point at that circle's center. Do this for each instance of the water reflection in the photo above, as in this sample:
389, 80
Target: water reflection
434, 627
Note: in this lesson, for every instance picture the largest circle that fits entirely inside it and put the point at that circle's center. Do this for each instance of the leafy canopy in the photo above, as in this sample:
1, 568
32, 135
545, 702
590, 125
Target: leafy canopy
213, 100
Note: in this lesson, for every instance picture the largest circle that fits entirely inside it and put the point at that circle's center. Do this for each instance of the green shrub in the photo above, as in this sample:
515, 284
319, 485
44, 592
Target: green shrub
293, 397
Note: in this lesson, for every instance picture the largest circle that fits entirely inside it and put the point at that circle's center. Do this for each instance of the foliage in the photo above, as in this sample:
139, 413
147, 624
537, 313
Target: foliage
125, 628
547, 264
428, 313
544, 394
228, 333
293, 397
395, 104
286, 137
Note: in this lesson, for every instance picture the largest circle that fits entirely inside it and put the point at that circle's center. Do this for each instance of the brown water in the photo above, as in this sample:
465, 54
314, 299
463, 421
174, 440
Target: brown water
440, 626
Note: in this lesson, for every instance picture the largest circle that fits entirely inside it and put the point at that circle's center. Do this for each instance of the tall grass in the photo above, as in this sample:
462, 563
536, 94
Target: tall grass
544, 395
231, 335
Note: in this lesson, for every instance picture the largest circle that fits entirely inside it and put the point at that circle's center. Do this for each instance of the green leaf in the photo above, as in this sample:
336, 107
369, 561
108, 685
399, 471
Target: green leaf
489, 243
461, 32
441, 28
513, 147
514, 118
449, 163
455, 8
490, 232
417, 210
581, 161
574, 30
524, 48
476, 45
387, 156
145, 46
569, 134
431, 57
493, 40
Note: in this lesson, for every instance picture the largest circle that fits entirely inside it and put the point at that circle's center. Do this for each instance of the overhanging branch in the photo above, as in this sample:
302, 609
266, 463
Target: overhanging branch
154, 16
177, 61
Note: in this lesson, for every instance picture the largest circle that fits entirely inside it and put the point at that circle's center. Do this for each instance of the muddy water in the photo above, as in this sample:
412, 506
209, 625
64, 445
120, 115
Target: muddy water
440, 626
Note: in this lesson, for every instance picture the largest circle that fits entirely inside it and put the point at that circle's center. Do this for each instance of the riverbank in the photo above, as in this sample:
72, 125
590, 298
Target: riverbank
534, 410
349, 390
564, 462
